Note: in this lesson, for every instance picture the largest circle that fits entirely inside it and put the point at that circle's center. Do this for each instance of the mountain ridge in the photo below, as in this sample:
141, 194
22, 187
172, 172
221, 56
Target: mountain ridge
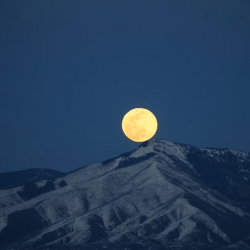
160, 192
20, 177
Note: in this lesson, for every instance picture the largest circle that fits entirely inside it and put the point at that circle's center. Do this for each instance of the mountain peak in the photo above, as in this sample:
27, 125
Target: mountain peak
162, 194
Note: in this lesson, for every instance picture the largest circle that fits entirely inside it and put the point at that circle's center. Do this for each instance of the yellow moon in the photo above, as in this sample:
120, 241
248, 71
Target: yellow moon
139, 124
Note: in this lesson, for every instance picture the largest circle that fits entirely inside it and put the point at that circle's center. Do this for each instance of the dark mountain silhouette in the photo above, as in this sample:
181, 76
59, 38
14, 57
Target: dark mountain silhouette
17, 178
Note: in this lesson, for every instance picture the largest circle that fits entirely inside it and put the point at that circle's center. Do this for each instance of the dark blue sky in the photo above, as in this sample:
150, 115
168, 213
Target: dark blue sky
70, 70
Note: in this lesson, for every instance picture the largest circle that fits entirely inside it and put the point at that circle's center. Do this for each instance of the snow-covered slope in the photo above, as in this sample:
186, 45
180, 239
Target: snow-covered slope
162, 192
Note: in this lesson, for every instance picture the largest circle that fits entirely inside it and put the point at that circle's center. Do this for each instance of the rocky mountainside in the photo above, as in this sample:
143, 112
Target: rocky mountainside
163, 195
14, 179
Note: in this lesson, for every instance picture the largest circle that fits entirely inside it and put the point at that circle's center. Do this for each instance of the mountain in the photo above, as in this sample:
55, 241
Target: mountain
14, 179
163, 195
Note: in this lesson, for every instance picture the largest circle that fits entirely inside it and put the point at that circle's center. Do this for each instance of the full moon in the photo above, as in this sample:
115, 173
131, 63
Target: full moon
139, 124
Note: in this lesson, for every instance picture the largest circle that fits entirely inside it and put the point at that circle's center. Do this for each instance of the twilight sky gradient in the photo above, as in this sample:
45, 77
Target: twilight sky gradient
70, 70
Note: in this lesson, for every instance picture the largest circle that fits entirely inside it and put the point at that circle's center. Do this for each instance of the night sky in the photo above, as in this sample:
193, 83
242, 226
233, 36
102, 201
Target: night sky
70, 70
